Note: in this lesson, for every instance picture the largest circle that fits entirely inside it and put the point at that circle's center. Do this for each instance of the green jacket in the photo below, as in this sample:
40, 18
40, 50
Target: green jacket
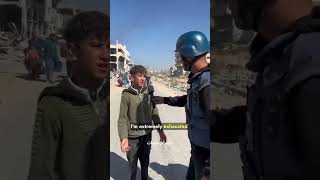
70, 138
136, 108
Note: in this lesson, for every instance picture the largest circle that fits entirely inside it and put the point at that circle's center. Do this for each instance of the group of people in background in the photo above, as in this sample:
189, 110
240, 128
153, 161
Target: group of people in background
123, 80
43, 56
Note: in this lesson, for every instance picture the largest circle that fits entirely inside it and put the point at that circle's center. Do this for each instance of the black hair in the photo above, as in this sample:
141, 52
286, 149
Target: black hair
86, 24
138, 69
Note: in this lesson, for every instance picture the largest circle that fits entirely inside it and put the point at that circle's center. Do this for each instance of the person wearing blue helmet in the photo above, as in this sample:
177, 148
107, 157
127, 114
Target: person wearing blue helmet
278, 128
192, 47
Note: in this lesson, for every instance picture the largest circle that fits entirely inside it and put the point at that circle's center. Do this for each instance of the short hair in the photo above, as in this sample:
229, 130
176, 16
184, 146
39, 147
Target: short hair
138, 69
86, 24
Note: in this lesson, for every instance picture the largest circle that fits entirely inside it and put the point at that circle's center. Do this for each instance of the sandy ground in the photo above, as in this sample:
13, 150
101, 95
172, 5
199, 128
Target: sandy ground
168, 161
18, 99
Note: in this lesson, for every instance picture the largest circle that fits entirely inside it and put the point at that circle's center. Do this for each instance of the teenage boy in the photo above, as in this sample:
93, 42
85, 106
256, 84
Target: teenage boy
136, 108
70, 139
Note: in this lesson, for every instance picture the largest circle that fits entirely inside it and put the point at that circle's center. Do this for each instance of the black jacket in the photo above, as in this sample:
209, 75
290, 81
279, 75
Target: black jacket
280, 137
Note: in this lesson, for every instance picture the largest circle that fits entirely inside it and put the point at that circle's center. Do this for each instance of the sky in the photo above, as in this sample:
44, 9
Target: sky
150, 28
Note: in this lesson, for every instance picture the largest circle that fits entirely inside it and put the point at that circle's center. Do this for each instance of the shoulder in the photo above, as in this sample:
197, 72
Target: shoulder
125, 94
204, 80
125, 91
51, 97
51, 102
305, 45
205, 76
50, 92
304, 55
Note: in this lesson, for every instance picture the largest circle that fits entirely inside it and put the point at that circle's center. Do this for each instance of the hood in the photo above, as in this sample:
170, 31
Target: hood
68, 90
261, 48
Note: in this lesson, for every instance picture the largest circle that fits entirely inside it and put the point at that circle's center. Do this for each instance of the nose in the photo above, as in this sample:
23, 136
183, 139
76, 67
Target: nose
104, 54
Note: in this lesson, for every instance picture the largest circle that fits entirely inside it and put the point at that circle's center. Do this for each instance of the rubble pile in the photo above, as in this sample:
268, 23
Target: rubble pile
229, 74
11, 46
175, 83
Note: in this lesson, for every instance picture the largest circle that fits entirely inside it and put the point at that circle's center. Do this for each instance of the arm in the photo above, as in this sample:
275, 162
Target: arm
45, 142
227, 125
304, 125
123, 129
179, 101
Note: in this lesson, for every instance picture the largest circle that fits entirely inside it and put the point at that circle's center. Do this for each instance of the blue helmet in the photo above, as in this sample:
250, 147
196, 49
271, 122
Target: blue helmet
192, 43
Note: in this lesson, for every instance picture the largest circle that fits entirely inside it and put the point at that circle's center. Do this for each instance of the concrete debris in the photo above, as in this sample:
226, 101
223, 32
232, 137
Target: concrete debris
11, 46
229, 74
174, 83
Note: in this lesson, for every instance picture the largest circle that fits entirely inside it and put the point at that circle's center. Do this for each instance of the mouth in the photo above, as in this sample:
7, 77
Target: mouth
141, 83
102, 67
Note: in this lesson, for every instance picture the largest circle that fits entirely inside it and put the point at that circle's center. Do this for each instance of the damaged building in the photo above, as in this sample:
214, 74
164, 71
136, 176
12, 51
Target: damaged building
225, 32
23, 17
120, 59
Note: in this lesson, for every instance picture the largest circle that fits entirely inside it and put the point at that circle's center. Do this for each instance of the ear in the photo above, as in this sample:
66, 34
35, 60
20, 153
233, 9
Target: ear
72, 51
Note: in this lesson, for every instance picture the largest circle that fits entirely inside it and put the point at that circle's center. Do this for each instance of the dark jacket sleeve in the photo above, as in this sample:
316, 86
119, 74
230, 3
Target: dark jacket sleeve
228, 124
179, 101
304, 123
205, 99
45, 142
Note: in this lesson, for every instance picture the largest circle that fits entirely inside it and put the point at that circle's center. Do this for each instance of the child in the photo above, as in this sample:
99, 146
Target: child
69, 139
137, 108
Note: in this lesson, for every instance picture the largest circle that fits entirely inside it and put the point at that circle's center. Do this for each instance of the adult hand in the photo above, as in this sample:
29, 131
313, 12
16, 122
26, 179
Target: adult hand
158, 100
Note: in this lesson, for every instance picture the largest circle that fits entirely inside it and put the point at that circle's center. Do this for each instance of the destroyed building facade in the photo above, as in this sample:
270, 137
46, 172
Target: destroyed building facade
120, 59
23, 17
225, 33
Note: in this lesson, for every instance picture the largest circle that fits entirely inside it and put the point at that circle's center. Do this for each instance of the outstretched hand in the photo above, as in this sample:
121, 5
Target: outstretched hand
158, 100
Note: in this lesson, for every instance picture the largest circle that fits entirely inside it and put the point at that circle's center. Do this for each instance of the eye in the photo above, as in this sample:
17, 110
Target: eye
97, 45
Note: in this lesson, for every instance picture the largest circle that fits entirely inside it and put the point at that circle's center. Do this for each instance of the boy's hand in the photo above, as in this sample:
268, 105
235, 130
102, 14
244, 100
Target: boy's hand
163, 137
125, 145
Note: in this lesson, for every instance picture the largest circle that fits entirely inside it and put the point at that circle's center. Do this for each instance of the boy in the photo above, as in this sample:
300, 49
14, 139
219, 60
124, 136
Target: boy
70, 138
137, 108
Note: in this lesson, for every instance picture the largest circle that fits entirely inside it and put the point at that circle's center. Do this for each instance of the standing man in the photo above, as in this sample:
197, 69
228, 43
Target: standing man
51, 58
279, 138
70, 139
192, 47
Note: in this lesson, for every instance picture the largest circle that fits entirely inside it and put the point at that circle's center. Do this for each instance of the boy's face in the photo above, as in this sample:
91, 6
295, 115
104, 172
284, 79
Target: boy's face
138, 80
92, 58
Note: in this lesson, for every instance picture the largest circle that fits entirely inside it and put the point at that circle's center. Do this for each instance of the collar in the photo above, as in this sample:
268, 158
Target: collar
137, 90
89, 94
192, 76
